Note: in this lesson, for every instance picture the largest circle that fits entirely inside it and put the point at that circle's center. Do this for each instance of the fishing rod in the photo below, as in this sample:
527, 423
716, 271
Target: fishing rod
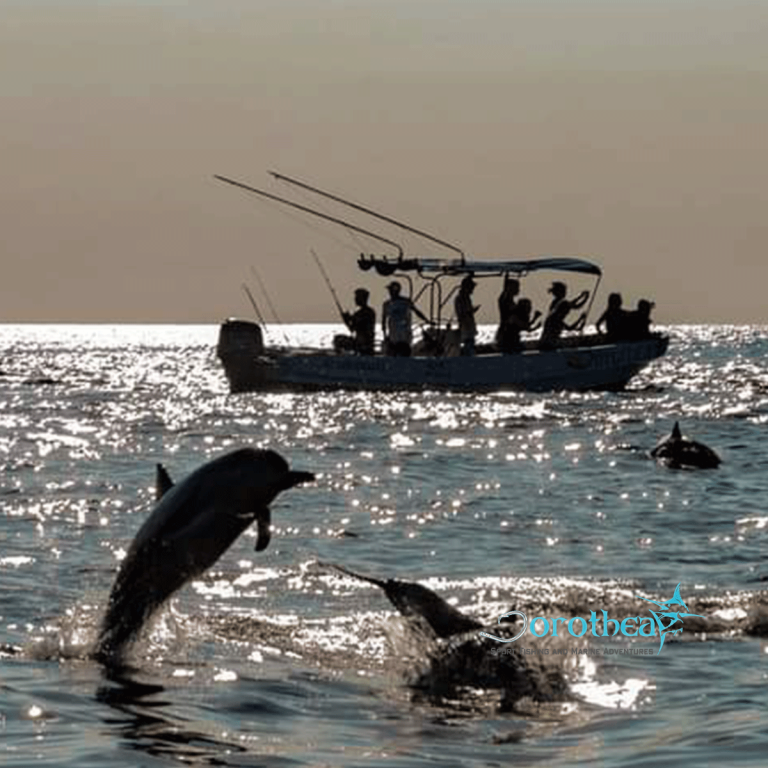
370, 212
328, 282
263, 290
255, 306
271, 306
320, 215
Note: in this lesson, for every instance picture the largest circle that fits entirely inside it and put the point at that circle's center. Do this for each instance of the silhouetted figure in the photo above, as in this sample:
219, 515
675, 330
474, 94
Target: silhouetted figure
465, 315
638, 322
514, 318
507, 305
523, 322
507, 308
362, 323
555, 324
396, 322
614, 319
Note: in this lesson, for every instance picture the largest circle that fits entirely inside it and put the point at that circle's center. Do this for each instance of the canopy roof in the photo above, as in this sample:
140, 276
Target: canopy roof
386, 266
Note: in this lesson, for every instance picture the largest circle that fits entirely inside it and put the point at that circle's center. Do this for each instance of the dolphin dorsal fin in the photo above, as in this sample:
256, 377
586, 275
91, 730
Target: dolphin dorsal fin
163, 482
676, 433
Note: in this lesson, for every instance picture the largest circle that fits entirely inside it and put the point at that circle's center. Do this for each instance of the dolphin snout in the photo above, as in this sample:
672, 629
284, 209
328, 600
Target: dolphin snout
295, 477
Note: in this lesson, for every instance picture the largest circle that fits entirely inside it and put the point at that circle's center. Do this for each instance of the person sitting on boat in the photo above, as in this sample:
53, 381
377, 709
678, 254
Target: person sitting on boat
614, 319
515, 317
465, 315
396, 322
519, 322
555, 324
362, 323
638, 322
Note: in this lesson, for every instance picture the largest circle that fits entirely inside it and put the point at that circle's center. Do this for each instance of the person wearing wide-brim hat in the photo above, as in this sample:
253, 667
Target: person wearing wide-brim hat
396, 321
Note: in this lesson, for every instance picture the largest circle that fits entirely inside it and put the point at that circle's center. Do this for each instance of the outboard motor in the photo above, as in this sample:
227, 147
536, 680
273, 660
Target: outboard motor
240, 345
240, 338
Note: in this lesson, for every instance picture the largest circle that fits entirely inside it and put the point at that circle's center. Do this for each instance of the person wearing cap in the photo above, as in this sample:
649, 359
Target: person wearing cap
465, 315
555, 324
362, 323
396, 321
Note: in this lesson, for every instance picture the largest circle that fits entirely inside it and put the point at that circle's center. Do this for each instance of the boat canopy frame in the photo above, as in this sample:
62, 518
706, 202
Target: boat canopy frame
432, 271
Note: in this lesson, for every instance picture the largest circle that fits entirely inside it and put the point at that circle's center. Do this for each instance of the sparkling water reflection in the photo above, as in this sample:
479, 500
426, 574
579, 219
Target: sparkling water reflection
489, 500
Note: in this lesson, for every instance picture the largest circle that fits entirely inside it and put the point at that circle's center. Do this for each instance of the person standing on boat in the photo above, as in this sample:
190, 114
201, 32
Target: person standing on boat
362, 323
465, 315
555, 324
507, 308
396, 322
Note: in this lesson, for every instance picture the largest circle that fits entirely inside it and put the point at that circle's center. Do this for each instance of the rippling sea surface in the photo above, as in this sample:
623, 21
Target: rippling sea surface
273, 659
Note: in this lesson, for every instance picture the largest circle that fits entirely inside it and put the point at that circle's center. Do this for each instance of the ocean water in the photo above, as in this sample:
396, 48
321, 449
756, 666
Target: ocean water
493, 501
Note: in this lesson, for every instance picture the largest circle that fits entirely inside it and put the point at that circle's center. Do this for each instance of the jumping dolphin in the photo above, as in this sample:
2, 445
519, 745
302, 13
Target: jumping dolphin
678, 452
192, 525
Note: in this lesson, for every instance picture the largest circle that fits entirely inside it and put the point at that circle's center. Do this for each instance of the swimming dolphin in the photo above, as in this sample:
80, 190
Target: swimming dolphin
415, 600
454, 668
462, 658
678, 452
191, 526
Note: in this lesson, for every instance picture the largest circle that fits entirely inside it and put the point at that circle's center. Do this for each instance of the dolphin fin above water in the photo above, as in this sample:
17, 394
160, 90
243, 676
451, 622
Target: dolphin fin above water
192, 525
163, 482
679, 452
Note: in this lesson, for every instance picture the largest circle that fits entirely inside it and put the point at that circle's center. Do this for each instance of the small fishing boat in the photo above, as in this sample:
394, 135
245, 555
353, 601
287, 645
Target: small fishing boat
577, 362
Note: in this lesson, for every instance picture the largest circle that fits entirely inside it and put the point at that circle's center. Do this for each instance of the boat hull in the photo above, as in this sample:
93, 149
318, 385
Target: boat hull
597, 366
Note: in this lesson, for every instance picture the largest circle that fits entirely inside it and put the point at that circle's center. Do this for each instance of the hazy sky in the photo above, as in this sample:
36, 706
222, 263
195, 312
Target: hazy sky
634, 133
